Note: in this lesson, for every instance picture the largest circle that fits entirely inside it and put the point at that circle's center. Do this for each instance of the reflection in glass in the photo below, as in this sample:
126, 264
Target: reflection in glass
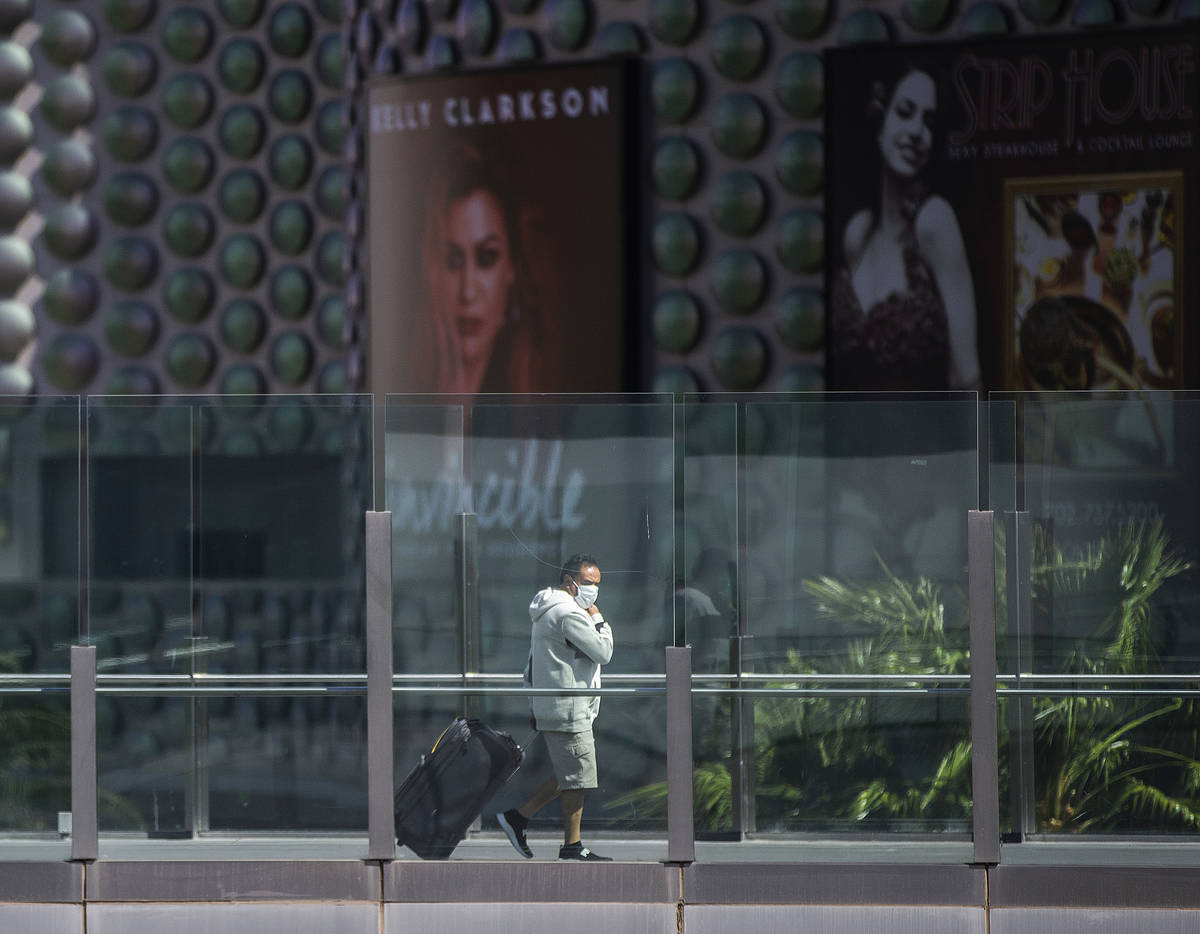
35, 761
842, 522
286, 763
226, 538
1101, 562
39, 604
488, 499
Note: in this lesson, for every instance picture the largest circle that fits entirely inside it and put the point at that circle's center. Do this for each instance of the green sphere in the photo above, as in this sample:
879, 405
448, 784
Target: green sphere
242, 261
128, 15
241, 14
739, 47
739, 203
800, 163
130, 133
242, 131
331, 256
801, 246
291, 227
132, 381
331, 127
243, 379
129, 68
677, 321
739, 358
675, 168
130, 198
188, 164
674, 90
131, 328
187, 100
800, 85
191, 359
187, 34
189, 295
290, 161
70, 361
291, 358
290, 30
241, 65
291, 292
333, 192
242, 196
739, 281
243, 325
739, 125
331, 322
189, 229
673, 22
330, 61
800, 319
130, 263
675, 244
290, 96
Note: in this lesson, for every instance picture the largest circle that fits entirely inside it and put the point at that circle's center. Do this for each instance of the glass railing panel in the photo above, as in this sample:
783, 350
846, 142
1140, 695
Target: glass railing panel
39, 607
489, 495
226, 533
226, 545
1103, 671
625, 817
180, 765
849, 553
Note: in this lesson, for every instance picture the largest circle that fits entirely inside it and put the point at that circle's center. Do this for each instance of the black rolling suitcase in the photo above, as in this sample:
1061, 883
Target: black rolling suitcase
449, 787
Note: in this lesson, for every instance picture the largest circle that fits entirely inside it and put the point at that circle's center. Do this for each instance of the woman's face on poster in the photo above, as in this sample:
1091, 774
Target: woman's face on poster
906, 137
477, 272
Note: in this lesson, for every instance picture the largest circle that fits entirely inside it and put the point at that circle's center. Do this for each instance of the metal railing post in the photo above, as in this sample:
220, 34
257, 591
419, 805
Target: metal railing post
381, 829
85, 843
681, 835
985, 780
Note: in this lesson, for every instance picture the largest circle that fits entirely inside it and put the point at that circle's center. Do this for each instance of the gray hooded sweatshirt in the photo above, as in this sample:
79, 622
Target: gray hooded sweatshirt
566, 649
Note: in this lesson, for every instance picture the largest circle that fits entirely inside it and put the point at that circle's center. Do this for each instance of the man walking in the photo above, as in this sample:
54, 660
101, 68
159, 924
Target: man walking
569, 642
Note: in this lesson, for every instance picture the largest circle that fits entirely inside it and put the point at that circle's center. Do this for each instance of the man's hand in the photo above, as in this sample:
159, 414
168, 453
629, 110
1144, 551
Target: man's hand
593, 610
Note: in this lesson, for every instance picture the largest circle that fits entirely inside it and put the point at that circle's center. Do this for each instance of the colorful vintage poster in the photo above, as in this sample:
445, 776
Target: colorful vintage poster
497, 231
1012, 214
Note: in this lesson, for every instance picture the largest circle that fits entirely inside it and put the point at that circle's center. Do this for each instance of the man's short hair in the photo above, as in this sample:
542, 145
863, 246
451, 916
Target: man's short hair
574, 564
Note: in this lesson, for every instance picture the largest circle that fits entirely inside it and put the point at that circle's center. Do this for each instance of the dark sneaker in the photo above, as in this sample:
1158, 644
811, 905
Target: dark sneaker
513, 824
577, 851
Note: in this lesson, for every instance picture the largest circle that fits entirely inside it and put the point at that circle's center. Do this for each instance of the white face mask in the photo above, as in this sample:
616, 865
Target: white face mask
586, 594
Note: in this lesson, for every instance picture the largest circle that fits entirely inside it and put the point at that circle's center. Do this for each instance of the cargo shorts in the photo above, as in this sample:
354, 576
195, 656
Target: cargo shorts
574, 758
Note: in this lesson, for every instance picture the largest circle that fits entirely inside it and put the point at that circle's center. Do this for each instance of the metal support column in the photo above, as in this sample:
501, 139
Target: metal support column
681, 836
85, 843
381, 830
1019, 709
985, 781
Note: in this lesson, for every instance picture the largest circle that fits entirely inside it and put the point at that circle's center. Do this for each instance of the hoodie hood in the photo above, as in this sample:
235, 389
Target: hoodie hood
544, 600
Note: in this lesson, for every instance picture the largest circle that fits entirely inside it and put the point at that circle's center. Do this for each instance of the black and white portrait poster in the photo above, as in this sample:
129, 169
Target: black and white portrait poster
1013, 214
496, 223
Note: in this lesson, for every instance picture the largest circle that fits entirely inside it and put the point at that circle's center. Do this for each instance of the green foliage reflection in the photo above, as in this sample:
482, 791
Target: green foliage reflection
1107, 763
